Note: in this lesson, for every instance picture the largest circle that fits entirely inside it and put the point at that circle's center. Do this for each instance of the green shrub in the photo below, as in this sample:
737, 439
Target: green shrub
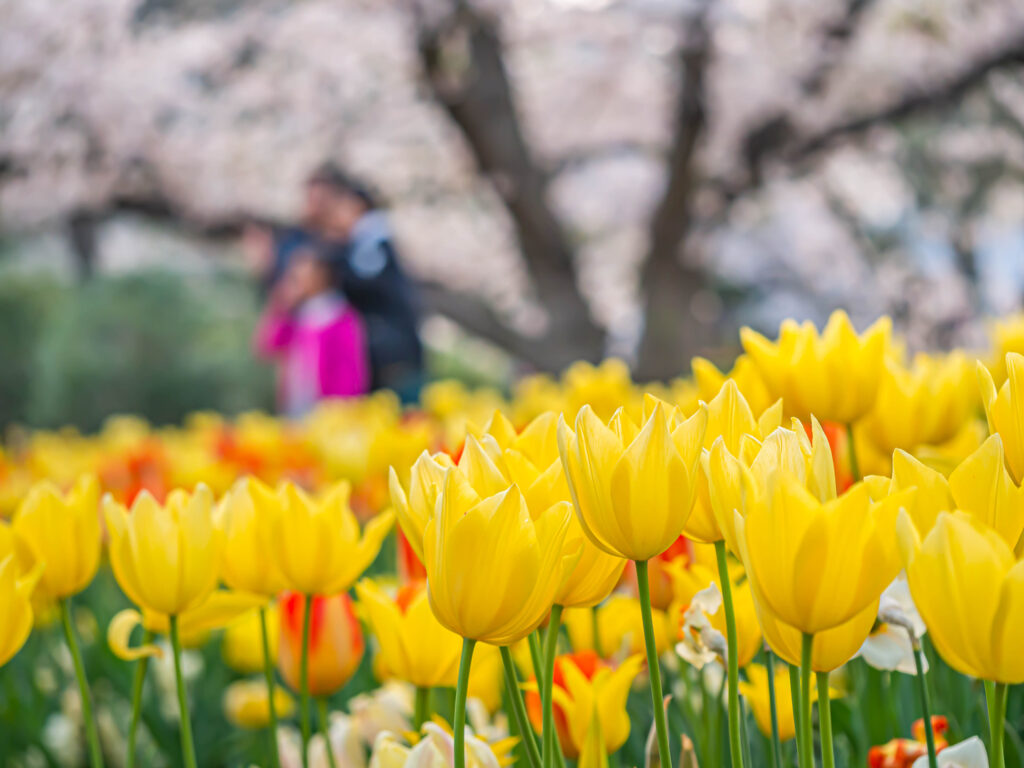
158, 344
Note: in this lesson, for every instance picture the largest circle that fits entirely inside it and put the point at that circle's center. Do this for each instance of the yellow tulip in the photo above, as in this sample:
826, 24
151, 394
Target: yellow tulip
530, 459
734, 487
831, 648
817, 565
709, 381
242, 645
757, 693
969, 589
1006, 335
633, 488
62, 531
15, 607
926, 403
619, 628
244, 516
415, 507
247, 703
316, 543
1005, 410
220, 609
492, 570
586, 688
980, 485
165, 557
834, 376
412, 643
730, 419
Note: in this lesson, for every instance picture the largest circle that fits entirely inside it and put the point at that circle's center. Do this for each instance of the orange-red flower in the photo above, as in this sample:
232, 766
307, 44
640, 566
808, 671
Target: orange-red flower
902, 753
335, 642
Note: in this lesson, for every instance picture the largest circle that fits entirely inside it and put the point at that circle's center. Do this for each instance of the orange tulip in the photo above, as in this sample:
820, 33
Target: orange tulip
335, 642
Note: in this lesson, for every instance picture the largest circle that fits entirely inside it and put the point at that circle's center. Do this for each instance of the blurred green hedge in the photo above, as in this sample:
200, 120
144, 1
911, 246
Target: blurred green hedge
155, 343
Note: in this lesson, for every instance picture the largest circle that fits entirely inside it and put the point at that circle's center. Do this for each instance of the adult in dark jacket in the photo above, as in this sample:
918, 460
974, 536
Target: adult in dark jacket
371, 277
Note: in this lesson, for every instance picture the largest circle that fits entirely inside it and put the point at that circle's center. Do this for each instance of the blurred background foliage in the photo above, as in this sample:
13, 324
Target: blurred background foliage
157, 343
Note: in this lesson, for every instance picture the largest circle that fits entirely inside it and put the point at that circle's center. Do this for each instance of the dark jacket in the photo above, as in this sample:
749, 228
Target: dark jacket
373, 281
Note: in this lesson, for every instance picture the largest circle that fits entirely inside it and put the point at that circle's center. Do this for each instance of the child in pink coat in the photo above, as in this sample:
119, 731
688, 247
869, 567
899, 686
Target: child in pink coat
316, 336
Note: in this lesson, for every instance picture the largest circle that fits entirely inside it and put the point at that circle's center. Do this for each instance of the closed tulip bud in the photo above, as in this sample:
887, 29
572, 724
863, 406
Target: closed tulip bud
62, 531
316, 542
730, 420
633, 488
586, 687
492, 570
335, 642
969, 589
242, 645
414, 507
15, 607
247, 703
165, 557
816, 565
834, 376
1005, 410
244, 516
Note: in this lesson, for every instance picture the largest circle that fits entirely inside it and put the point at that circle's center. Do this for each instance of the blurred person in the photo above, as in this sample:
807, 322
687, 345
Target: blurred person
347, 214
268, 246
315, 334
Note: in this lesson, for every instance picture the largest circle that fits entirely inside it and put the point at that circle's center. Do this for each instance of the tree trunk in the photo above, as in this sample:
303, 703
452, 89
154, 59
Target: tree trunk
671, 333
475, 91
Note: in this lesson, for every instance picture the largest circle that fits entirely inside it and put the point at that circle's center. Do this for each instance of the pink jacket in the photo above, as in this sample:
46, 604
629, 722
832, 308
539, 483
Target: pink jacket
321, 348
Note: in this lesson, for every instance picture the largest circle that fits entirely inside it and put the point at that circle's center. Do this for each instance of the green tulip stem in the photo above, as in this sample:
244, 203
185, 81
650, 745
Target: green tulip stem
304, 713
926, 704
325, 729
421, 711
188, 749
996, 694
735, 738
828, 754
550, 739
92, 735
798, 709
776, 742
852, 447
515, 697
536, 659
660, 720
268, 673
807, 747
138, 681
461, 690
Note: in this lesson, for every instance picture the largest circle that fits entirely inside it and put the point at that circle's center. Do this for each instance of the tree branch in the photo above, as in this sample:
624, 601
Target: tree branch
463, 62
778, 138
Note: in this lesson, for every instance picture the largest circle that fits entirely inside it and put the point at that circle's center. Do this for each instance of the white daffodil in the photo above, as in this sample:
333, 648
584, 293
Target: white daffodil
889, 647
701, 643
967, 754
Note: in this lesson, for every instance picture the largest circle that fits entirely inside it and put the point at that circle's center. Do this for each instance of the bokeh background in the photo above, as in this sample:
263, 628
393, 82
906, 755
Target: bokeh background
568, 178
